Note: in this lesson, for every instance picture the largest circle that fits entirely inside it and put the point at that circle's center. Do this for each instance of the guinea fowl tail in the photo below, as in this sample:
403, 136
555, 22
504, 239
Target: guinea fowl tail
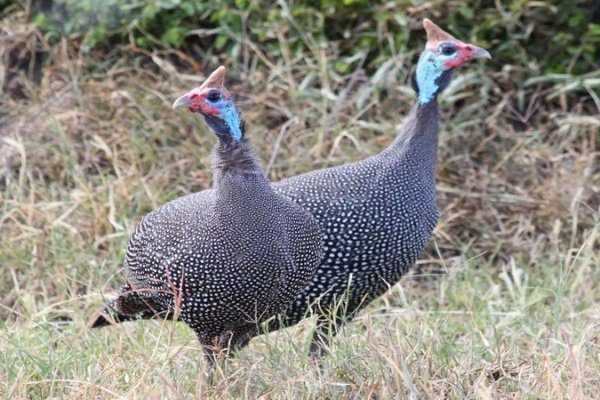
130, 306
110, 315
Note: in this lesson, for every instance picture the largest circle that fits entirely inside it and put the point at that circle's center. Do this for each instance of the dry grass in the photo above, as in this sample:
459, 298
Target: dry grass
505, 303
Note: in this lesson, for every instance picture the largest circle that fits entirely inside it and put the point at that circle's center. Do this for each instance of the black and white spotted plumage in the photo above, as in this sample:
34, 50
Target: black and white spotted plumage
376, 216
221, 260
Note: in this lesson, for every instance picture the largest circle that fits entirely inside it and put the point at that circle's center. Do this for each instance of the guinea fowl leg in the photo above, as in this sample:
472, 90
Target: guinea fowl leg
329, 323
214, 353
326, 328
218, 349
242, 338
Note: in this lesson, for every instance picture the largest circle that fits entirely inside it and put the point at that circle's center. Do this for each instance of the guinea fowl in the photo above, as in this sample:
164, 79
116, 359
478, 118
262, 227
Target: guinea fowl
376, 214
221, 260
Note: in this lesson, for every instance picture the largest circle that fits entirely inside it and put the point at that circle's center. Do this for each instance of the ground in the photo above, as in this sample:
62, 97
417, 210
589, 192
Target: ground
504, 303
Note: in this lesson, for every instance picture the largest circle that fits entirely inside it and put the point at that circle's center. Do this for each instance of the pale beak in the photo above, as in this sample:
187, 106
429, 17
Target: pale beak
478, 52
183, 101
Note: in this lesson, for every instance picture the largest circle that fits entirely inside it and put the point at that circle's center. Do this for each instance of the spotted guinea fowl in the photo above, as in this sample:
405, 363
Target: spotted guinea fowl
376, 214
221, 260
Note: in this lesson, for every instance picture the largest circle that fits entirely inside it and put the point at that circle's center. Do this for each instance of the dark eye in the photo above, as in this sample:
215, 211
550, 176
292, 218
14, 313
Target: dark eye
447, 49
213, 96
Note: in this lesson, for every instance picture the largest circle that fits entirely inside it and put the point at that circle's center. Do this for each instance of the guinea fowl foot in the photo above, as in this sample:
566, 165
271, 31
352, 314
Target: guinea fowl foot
317, 352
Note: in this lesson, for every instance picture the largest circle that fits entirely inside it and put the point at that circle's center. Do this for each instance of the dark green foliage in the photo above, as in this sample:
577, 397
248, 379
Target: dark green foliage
4, 4
544, 36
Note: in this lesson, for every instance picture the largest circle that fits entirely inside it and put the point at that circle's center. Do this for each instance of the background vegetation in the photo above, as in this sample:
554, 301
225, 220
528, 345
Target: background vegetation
504, 303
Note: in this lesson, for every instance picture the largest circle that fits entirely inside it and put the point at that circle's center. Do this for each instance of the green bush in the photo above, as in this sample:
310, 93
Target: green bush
4, 5
546, 36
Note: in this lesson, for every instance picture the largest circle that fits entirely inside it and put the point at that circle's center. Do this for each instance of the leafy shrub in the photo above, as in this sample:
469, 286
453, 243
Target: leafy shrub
4, 5
546, 36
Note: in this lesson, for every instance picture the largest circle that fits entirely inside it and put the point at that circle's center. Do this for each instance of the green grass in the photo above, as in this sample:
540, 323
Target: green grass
476, 333
503, 304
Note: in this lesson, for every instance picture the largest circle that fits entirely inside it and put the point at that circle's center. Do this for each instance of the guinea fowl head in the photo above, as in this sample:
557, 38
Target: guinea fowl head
216, 105
443, 52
